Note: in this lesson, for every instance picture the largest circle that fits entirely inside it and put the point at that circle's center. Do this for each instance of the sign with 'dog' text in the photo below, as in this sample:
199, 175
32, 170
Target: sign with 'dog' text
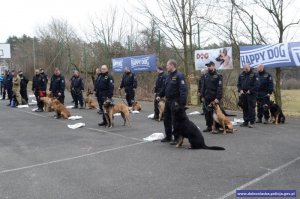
135, 63
273, 56
5, 51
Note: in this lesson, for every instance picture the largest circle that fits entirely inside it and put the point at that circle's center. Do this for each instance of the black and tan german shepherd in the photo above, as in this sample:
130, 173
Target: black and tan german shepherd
276, 113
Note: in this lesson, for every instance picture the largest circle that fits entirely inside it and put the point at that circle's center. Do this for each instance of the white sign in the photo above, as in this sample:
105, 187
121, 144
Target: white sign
5, 51
222, 57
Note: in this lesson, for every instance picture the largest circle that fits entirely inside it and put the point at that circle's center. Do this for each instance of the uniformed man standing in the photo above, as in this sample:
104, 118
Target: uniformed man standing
129, 82
200, 83
247, 87
8, 86
16, 88
265, 90
57, 85
23, 86
160, 80
105, 89
77, 87
211, 91
39, 87
175, 90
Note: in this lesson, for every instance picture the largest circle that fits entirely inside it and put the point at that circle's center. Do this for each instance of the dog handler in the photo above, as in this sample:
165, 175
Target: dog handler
175, 91
129, 82
160, 80
105, 89
39, 86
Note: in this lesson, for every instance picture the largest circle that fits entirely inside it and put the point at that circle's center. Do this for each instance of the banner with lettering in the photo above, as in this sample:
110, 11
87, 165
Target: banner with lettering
222, 57
273, 56
135, 63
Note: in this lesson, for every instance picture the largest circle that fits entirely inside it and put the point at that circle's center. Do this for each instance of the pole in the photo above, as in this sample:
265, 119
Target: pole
33, 52
198, 36
128, 40
84, 61
252, 30
159, 46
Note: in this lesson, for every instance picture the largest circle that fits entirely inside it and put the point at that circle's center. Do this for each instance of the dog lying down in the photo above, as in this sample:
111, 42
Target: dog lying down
187, 129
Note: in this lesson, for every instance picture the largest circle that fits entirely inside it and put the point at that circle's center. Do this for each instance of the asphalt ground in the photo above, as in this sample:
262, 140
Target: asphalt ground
41, 158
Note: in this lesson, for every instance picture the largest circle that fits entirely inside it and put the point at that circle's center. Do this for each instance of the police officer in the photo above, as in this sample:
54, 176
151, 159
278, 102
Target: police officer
8, 86
23, 86
200, 83
1, 84
16, 89
72, 90
211, 91
57, 85
105, 89
97, 79
175, 90
39, 87
77, 86
42, 72
129, 82
247, 87
160, 80
265, 90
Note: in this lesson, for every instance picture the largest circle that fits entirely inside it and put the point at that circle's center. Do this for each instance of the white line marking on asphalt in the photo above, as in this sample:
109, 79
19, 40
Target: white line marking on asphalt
272, 171
70, 158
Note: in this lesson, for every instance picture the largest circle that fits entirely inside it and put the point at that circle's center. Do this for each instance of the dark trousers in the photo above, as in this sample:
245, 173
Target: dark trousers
101, 101
10, 94
169, 123
60, 98
77, 97
263, 104
248, 108
24, 95
3, 93
73, 95
130, 97
208, 113
156, 110
40, 103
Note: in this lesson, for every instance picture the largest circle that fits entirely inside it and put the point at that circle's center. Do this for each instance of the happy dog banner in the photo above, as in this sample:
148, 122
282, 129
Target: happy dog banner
135, 63
222, 57
276, 55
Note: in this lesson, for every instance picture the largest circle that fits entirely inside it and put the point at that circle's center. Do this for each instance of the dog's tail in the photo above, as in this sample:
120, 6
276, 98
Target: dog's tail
213, 148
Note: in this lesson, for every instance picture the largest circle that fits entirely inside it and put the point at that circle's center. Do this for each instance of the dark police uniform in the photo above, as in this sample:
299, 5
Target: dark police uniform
200, 83
129, 82
23, 87
248, 82
2, 79
211, 89
77, 86
263, 100
175, 90
72, 90
104, 89
8, 86
57, 85
39, 87
160, 80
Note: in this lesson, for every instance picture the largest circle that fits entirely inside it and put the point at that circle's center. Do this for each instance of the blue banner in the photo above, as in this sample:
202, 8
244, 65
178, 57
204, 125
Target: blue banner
135, 63
272, 56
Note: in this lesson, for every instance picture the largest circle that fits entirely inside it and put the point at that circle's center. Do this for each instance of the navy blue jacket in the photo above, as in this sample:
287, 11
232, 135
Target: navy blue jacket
160, 81
104, 85
23, 83
248, 82
128, 82
175, 88
8, 82
265, 84
39, 83
57, 84
77, 84
212, 86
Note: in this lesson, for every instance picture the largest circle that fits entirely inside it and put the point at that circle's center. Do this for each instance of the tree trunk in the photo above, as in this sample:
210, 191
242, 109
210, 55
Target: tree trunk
277, 92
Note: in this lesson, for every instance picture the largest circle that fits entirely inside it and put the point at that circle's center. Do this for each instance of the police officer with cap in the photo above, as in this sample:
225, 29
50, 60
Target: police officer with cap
105, 89
247, 87
57, 85
211, 91
77, 87
39, 87
160, 80
129, 82
23, 86
264, 92
175, 90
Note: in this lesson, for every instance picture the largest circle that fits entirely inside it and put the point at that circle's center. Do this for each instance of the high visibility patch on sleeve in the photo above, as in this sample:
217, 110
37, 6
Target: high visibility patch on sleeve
270, 78
62, 81
182, 82
220, 82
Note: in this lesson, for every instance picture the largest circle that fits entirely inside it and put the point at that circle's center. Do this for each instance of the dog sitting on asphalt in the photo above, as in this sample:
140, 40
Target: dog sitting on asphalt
187, 129
47, 103
89, 100
276, 113
220, 118
111, 109
60, 109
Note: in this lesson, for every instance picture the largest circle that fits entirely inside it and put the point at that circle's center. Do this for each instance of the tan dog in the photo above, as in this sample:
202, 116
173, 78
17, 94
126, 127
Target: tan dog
136, 106
89, 100
47, 103
161, 108
220, 118
111, 109
60, 109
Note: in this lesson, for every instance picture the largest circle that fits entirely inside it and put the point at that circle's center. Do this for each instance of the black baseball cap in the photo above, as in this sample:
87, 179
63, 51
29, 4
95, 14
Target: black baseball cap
210, 63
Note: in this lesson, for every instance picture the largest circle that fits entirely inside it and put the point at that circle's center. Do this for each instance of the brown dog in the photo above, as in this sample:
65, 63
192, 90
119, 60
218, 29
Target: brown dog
136, 106
60, 109
219, 117
161, 108
111, 109
47, 103
89, 100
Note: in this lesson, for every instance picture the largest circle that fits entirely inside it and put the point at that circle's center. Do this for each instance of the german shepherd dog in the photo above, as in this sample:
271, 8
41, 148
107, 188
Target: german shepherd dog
220, 118
47, 103
161, 108
187, 129
276, 113
111, 109
89, 100
136, 106
60, 109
